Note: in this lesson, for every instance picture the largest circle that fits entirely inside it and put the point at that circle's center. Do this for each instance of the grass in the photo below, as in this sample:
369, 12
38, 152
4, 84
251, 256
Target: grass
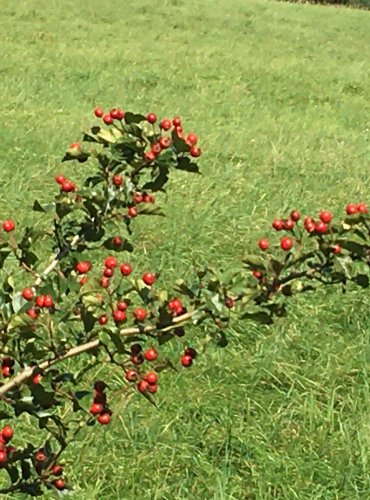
280, 96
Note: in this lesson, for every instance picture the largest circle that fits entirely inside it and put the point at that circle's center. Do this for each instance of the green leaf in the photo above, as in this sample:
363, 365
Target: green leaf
260, 317
343, 265
255, 261
150, 209
362, 280
117, 341
179, 144
37, 207
187, 165
354, 247
134, 118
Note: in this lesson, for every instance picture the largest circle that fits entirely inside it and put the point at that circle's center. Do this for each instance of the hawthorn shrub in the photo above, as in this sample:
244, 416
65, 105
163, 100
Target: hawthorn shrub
89, 301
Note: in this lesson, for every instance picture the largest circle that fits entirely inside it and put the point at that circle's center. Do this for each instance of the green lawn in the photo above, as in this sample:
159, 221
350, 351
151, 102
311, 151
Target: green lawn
280, 96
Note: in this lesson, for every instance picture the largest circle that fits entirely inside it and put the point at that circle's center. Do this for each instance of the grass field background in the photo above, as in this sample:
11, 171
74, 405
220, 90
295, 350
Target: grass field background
280, 97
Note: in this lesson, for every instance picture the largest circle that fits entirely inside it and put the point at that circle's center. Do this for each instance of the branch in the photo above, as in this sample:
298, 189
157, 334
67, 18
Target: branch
26, 374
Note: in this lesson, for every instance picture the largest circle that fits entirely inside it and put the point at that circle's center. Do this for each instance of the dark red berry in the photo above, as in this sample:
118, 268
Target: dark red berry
151, 117
286, 244
28, 293
98, 112
126, 269
326, 216
263, 244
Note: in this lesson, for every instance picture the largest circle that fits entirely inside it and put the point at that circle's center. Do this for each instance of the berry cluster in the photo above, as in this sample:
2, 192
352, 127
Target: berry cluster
99, 406
41, 302
6, 450
66, 185
45, 465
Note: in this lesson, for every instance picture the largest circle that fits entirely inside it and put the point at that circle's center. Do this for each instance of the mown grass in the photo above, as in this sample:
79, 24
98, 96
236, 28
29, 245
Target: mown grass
280, 96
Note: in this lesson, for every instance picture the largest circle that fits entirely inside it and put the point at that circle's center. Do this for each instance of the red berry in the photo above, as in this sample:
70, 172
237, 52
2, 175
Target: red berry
351, 209
36, 379
7, 433
8, 362
229, 302
143, 385
131, 376
137, 359
149, 278
98, 112
60, 179
104, 282
149, 156
153, 388
286, 244
28, 293
103, 320
7, 371
32, 313
122, 305
117, 114
310, 227
59, 483
67, 186
176, 122
175, 304
151, 117
288, 225
151, 378
104, 418
107, 119
140, 314
75, 145
337, 249
108, 273
151, 354
126, 269
165, 142
192, 139
100, 398
263, 244
156, 148
148, 198
40, 456
40, 301
132, 212
362, 208
195, 152
117, 241
117, 180
57, 470
111, 262
257, 274
321, 227
83, 267
186, 360
48, 301
119, 316
277, 224
96, 408
326, 216
3, 457
8, 225
295, 215
138, 198
165, 124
